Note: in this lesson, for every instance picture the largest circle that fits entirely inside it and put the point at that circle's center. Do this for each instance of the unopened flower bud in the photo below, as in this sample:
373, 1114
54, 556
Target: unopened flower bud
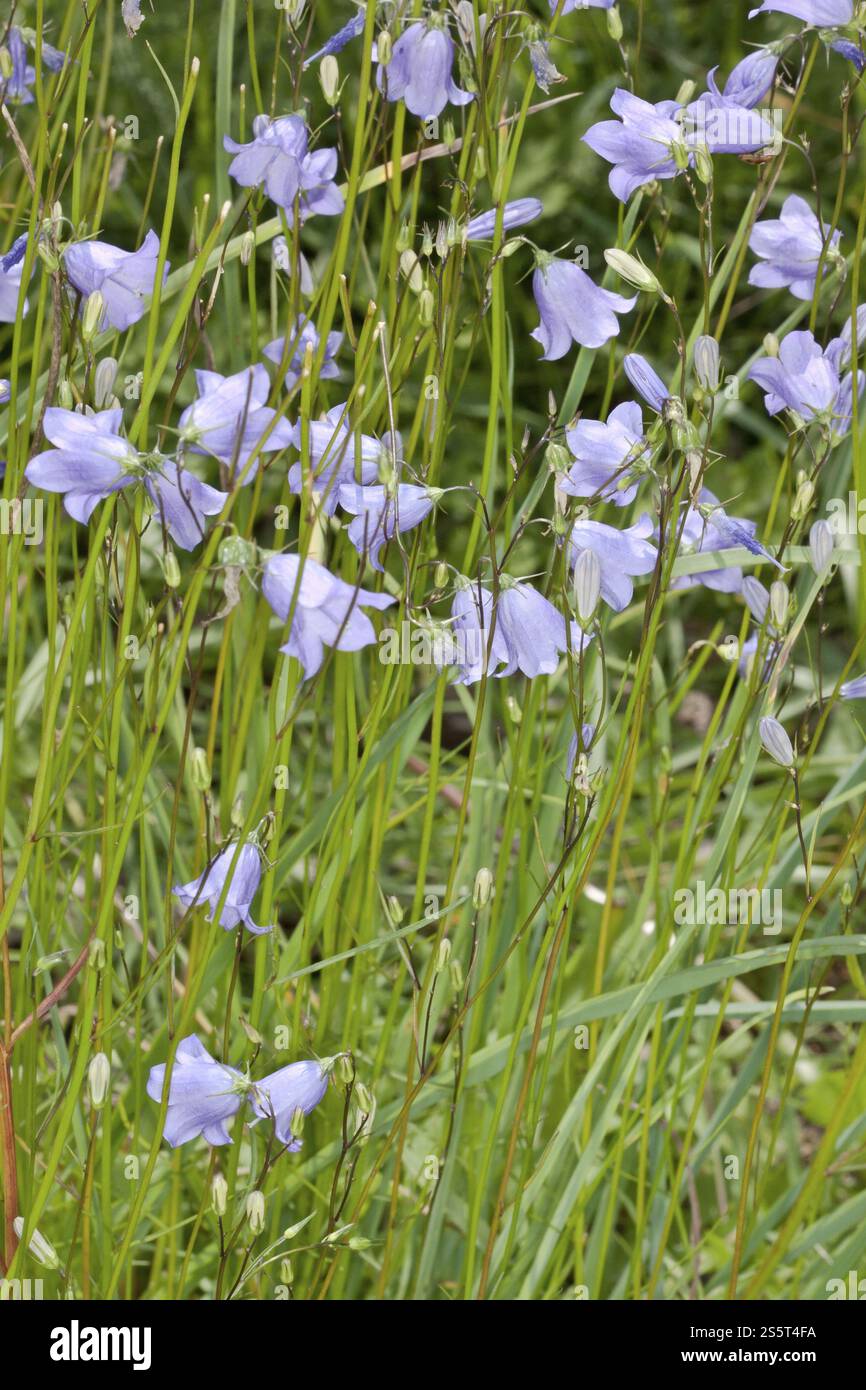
632, 270
771, 345
200, 770
171, 569
287, 1275
756, 596
248, 246
456, 972
41, 1250
411, 267
329, 77
443, 955
779, 600
440, 575
395, 911
103, 382
707, 362
96, 954
587, 585
614, 23
803, 499
821, 546
384, 48
776, 741
219, 1193
94, 308
256, 1212
98, 1078
704, 164
65, 397
426, 307
483, 888
297, 1123
514, 710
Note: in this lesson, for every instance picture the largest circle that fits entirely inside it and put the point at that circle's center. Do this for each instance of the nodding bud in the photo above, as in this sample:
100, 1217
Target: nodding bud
779, 600
756, 596
237, 815
345, 1068
41, 1250
248, 246
558, 458
384, 48
704, 164
776, 741
729, 649
395, 911
5, 62
413, 271
457, 980
771, 345
514, 710
632, 270
287, 1275
483, 888
587, 585
404, 237
98, 1077
219, 1193
821, 546
365, 1100
94, 308
256, 1212
200, 770
440, 575
426, 308
234, 550
614, 24
65, 397
171, 569
443, 955
329, 77
685, 93
103, 382
707, 362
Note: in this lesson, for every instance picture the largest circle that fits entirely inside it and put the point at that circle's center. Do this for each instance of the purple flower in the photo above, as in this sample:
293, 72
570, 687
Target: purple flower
605, 454
11, 270
380, 515
822, 13
337, 42
516, 214
472, 614
91, 459
749, 80
806, 379
305, 332
854, 690
123, 278
333, 457
648, 143
419, 72
327, 610
17, 86
132, 17
646, 381
844, 343
573, 307
230, 418
299, 1086
243, 886
203, 1095
278, 157
790, 248
620, 554
5, 391
704, 529
534, 631
850, 51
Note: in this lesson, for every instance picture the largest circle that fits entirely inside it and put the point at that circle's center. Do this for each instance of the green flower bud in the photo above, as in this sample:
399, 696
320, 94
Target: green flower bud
98, 1079
219, 1192
255, 1209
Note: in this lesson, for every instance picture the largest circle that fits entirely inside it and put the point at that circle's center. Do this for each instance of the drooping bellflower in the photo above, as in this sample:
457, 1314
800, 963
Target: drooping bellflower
516, 214
279, 159
606, 452
11, 270
326, 611
807, 380
243, 886
90, 460
621, 555
230, 418
379, 514
573, 308
299, 1086
419, 72
791, 248
203, 1095
304, 333
123, 278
